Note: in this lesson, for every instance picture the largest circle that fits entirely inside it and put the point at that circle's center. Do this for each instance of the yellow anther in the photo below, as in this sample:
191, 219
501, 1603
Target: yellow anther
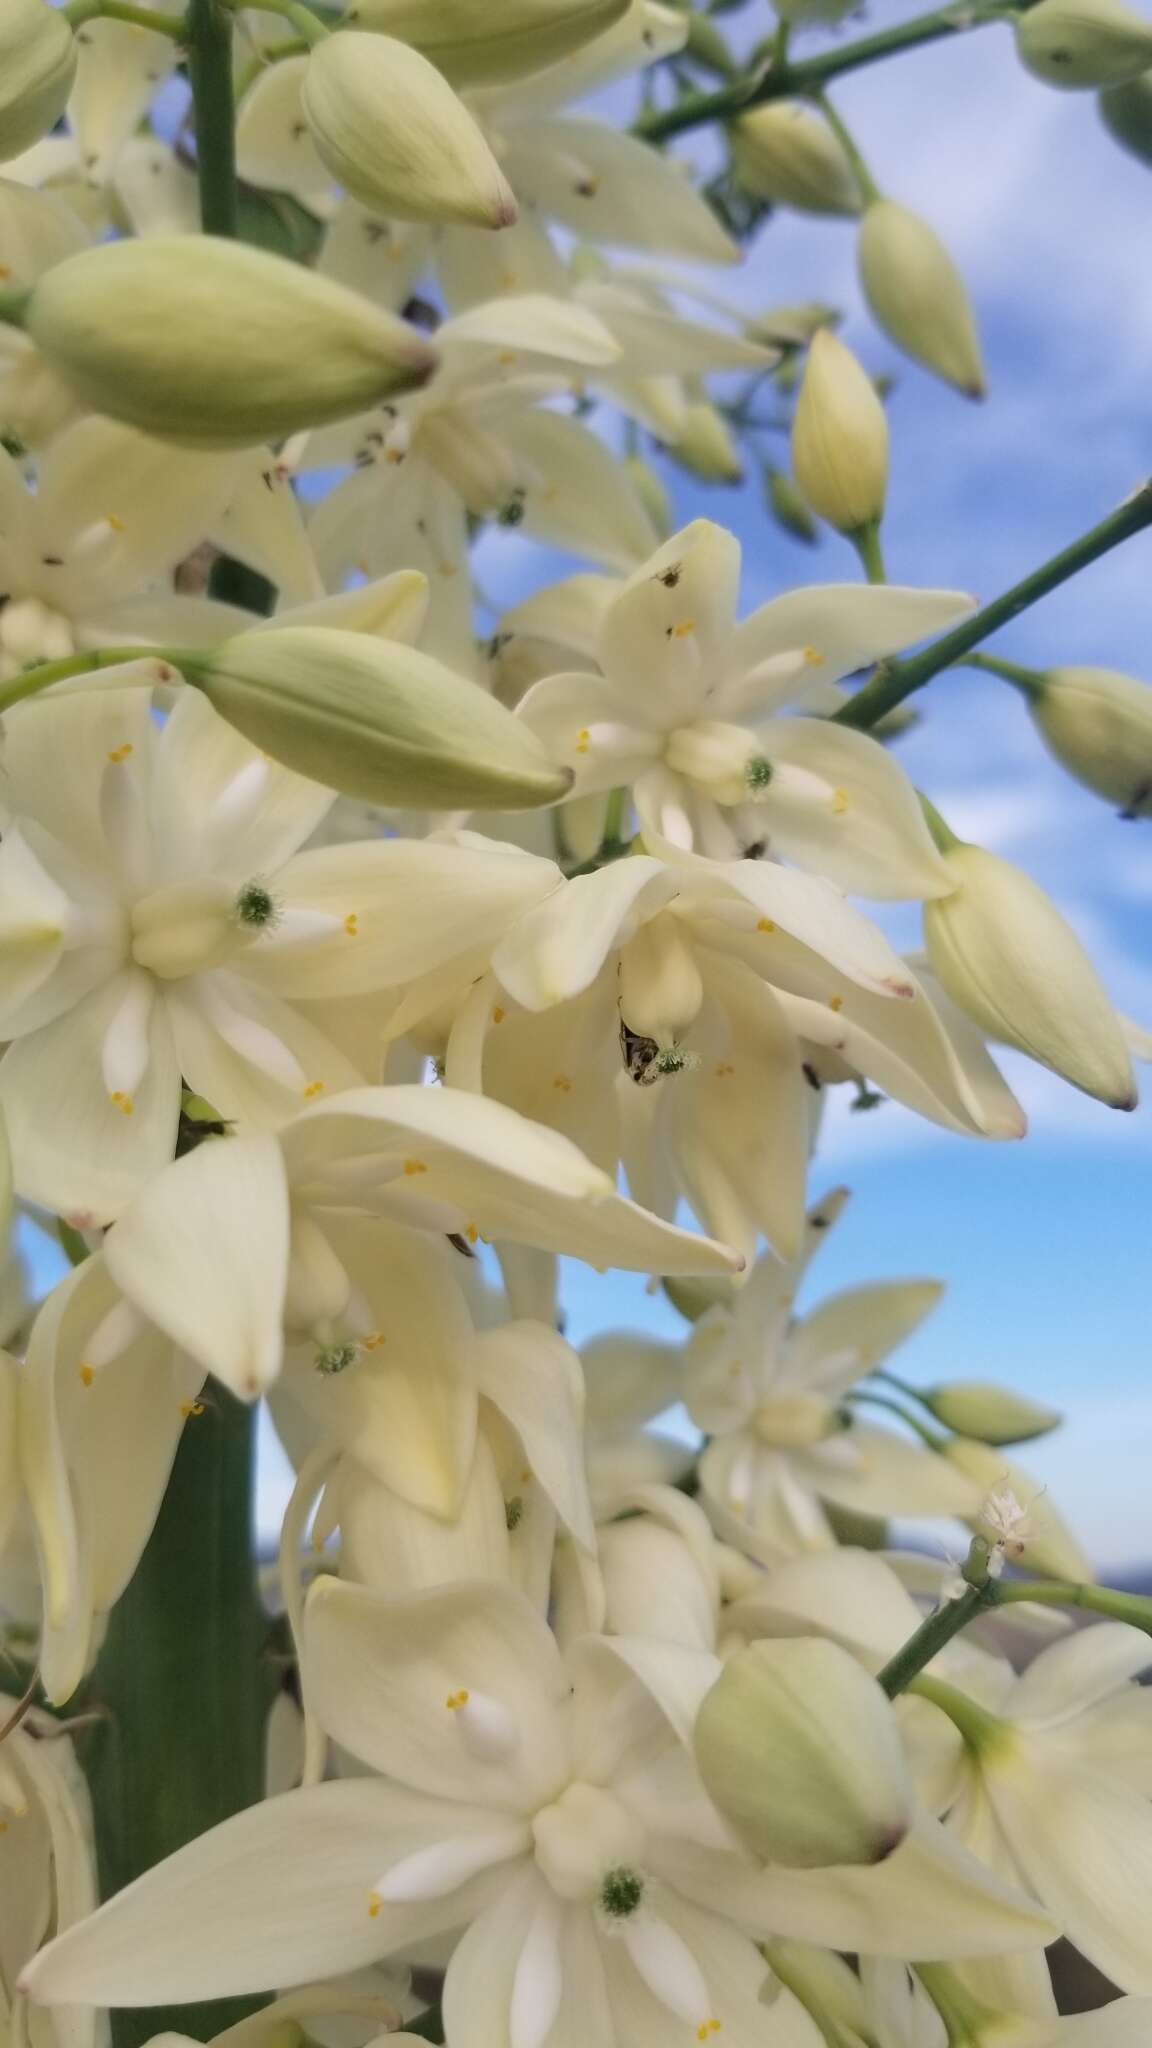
3, 1823
471, 1232
456, 1700
415, 1166
562, 1082
839, 802
509, 280
86, 1375
5, 271
395, 454
372, 1341
124, 1103
352, 924
121, 753
507, 355
707, 2028
191, 1408
116, 524
312, 1088
526, 1475
685, 627
583, 740
374, 1904
498, 1014
813, 656
723, 1070
765, 924
835, 1002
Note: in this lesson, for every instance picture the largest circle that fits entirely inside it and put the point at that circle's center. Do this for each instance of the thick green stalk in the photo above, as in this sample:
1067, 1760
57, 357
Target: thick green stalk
33, 680
896, 680
1134, 1608
792, 81
939, 1628
1031, 681
182, 1684
210, 74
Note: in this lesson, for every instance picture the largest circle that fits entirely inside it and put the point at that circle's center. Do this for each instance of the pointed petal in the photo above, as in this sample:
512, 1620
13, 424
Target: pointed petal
869, 835
533, 1377
606, 186
845, 625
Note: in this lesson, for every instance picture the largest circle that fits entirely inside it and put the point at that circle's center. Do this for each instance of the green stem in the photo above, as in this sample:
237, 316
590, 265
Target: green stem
789, 81
927, 1436
34, 680
81, 11
869, 189
978, 1727
1133, 1608
214, 114
893, 681
939, 1628
182, 1684
308, 26
866, 541
1032, 681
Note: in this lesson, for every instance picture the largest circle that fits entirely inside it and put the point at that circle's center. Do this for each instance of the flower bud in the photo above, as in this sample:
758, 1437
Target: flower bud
477, 42
800, 1751
1098, 723
788, 506
705, 446
37, 67
1045, 1545
992, 1414
1083, 43
1126, 111
375, 720
917, 295
785, 153
840, 438
213, 344
1002, 951
388, 125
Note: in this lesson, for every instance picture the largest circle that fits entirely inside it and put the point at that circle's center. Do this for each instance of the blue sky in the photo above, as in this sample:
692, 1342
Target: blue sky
1044, 1245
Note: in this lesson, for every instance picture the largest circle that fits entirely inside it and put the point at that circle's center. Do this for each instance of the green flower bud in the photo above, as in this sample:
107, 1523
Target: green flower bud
917, 295
992, 1414
1001, 950
800, 1751
839, 438
790, 326
707, 47
212, 344
705, 445
785, 153
1083, 43
476, 42
694, 1298
1098, 723
651, 493
788, 506
1126, 111
37, 67
375, 720
392, 131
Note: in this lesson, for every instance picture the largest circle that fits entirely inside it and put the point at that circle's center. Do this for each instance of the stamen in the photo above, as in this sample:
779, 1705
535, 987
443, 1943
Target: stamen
412, 1166
839, 802
561, 1082
498, 1015
188, 1408
583, 740
352, 924
312, 1088
765, 924
121, 753
456, 1700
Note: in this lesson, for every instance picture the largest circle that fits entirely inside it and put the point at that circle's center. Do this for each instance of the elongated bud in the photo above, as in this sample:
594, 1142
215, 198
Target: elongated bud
705, 445
1098, 723
788, 506
37, 67
390, 128
800, 1751
785, 153
375, 720
1126, 111
651, 492
1083, 43
917, 295
212, 344
840, 438
1002, 951
991, 1413
484, 42
1041, 1539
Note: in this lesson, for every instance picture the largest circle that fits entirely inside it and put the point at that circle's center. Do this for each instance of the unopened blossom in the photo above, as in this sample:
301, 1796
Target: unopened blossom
685, 714
545, 1811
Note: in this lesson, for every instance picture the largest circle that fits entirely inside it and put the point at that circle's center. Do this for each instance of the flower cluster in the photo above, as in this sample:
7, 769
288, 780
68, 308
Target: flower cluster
369, 945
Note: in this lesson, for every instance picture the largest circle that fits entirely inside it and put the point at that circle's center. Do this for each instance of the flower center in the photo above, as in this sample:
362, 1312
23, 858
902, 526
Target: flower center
621, 1892
791, 1420
587, 1845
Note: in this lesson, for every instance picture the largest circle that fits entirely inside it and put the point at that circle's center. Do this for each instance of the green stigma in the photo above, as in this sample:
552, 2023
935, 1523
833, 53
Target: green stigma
513, 1512
758, 772
337, 1358
621, 1893
671, 1059
255, 906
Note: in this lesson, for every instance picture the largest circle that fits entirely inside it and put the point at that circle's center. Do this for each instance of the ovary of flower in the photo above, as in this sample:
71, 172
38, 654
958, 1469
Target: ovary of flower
685, 711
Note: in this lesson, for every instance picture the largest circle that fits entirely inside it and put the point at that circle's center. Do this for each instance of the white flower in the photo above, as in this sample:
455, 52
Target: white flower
545, 1810
683, 714
47, 1868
